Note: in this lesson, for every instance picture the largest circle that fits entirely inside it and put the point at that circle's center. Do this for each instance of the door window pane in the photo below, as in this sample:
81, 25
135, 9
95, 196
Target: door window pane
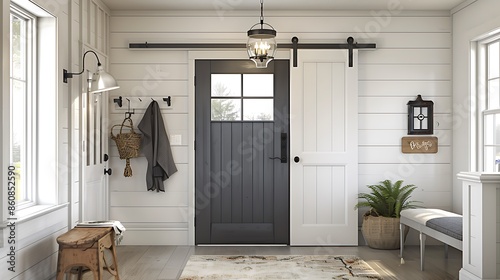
258, 85
226, 85
226, 109
258, 109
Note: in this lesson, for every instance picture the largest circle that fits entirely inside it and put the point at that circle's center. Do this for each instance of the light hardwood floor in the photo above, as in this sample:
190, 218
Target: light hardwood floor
167, 262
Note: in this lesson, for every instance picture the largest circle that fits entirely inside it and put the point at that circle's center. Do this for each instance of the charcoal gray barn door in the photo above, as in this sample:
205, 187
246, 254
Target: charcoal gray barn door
242, 152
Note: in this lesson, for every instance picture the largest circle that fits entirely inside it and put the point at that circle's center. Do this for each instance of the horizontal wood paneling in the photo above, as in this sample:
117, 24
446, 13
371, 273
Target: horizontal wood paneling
380, 137
404, 72
35, 242
148, 214
406, 56
399, 121
150, 88
171, 121
405, 88
136, 198
155, 237
427, 177
139, 56
382, 154
398, 105
137, 183
284, 24
155, 71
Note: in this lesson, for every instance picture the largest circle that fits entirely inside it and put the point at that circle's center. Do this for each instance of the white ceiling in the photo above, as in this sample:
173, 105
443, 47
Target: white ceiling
278, 5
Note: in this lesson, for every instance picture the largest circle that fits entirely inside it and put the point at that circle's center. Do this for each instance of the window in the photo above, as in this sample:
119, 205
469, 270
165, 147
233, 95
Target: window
247, 97
32, 108
489, 105
22, 103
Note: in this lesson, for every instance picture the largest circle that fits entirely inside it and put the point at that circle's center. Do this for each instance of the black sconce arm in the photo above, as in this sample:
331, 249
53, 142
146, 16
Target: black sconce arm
67, 75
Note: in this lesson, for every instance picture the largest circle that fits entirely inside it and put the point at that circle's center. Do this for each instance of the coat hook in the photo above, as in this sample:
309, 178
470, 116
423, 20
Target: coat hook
139, 99
128, 114
168, 100
118, 101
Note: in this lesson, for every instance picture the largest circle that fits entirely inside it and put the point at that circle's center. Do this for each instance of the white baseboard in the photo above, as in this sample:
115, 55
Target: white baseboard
155, 236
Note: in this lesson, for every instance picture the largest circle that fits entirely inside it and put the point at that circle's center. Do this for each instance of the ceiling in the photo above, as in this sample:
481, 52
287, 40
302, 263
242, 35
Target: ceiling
289, 5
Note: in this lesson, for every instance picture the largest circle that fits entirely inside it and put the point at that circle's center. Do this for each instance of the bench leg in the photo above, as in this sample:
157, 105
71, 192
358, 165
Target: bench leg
401, 239
422, 250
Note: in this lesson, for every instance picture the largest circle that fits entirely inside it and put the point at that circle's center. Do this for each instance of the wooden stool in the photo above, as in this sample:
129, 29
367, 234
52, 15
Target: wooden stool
84, 247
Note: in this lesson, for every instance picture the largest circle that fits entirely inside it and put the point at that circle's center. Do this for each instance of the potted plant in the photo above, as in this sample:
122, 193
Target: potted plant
380, 226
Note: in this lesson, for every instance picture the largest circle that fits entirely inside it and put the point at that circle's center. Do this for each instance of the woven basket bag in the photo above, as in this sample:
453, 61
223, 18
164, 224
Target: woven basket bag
128, 144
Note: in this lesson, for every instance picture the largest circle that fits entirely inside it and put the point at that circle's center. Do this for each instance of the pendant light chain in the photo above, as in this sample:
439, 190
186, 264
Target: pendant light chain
261, 13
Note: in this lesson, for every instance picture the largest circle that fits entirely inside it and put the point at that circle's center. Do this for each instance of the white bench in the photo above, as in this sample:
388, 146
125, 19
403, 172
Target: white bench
439, 224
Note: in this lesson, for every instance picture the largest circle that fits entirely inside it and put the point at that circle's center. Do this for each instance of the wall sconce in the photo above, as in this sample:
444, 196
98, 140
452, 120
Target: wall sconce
420, 116
261, 44
99, 82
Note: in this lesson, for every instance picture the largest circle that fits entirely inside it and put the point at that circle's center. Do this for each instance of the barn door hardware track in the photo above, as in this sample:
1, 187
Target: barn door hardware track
350, 45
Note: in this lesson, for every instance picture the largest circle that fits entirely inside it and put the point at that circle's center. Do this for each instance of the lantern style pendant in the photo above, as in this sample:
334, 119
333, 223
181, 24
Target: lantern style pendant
261, 44
420, 116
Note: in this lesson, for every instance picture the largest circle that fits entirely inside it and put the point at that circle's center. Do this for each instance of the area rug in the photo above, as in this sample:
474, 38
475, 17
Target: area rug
277, 267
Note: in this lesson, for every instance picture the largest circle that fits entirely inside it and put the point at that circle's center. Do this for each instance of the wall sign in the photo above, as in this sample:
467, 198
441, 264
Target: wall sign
419, 145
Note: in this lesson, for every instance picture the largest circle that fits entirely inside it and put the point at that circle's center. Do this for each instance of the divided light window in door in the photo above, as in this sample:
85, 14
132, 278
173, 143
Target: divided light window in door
242, 97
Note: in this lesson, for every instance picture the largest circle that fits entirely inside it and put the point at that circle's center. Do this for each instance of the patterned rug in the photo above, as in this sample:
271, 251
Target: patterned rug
277, 267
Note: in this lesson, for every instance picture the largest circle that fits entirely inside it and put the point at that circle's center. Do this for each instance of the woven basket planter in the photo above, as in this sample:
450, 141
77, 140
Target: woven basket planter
381, 232
128, 144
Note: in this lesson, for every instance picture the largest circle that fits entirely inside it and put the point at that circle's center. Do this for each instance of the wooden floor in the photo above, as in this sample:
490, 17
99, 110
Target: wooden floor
167, 262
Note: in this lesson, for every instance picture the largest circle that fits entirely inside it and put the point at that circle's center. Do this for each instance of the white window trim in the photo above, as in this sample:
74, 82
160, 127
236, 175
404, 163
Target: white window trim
45, 194
479, 97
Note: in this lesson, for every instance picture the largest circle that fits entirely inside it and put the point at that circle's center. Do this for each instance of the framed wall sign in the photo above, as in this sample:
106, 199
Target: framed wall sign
419, 145
420, 116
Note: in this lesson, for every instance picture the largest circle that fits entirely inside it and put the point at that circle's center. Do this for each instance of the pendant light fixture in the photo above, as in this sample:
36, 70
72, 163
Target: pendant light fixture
261, 44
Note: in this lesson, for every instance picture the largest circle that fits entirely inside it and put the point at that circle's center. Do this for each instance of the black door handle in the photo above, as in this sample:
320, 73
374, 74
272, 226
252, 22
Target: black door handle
284, 145
296, 159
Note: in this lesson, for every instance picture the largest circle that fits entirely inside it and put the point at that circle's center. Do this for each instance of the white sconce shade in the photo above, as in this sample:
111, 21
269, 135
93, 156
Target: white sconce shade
102, 81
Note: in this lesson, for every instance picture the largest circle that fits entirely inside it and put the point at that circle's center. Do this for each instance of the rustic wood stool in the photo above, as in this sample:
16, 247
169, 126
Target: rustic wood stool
84, 247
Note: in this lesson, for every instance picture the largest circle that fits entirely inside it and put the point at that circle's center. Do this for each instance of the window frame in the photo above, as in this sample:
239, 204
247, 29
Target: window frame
29, 178
480, 95
241, 97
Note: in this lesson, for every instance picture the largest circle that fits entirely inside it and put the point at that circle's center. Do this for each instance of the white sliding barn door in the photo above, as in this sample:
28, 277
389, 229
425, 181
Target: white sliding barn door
324, 149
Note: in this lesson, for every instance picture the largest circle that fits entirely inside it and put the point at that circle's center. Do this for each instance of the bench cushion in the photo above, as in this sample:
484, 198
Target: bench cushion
422, 215
451, 226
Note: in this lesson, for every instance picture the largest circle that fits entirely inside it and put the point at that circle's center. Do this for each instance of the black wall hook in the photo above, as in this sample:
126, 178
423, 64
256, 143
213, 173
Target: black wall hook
168, 100
118, 101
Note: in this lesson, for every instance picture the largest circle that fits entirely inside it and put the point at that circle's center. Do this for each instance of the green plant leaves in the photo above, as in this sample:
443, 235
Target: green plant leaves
387, 199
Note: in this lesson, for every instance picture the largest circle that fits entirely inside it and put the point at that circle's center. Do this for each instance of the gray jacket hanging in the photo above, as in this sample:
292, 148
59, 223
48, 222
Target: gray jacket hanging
156, 147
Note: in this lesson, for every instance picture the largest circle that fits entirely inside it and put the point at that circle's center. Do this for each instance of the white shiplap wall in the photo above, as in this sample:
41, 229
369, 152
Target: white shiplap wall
413, 56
